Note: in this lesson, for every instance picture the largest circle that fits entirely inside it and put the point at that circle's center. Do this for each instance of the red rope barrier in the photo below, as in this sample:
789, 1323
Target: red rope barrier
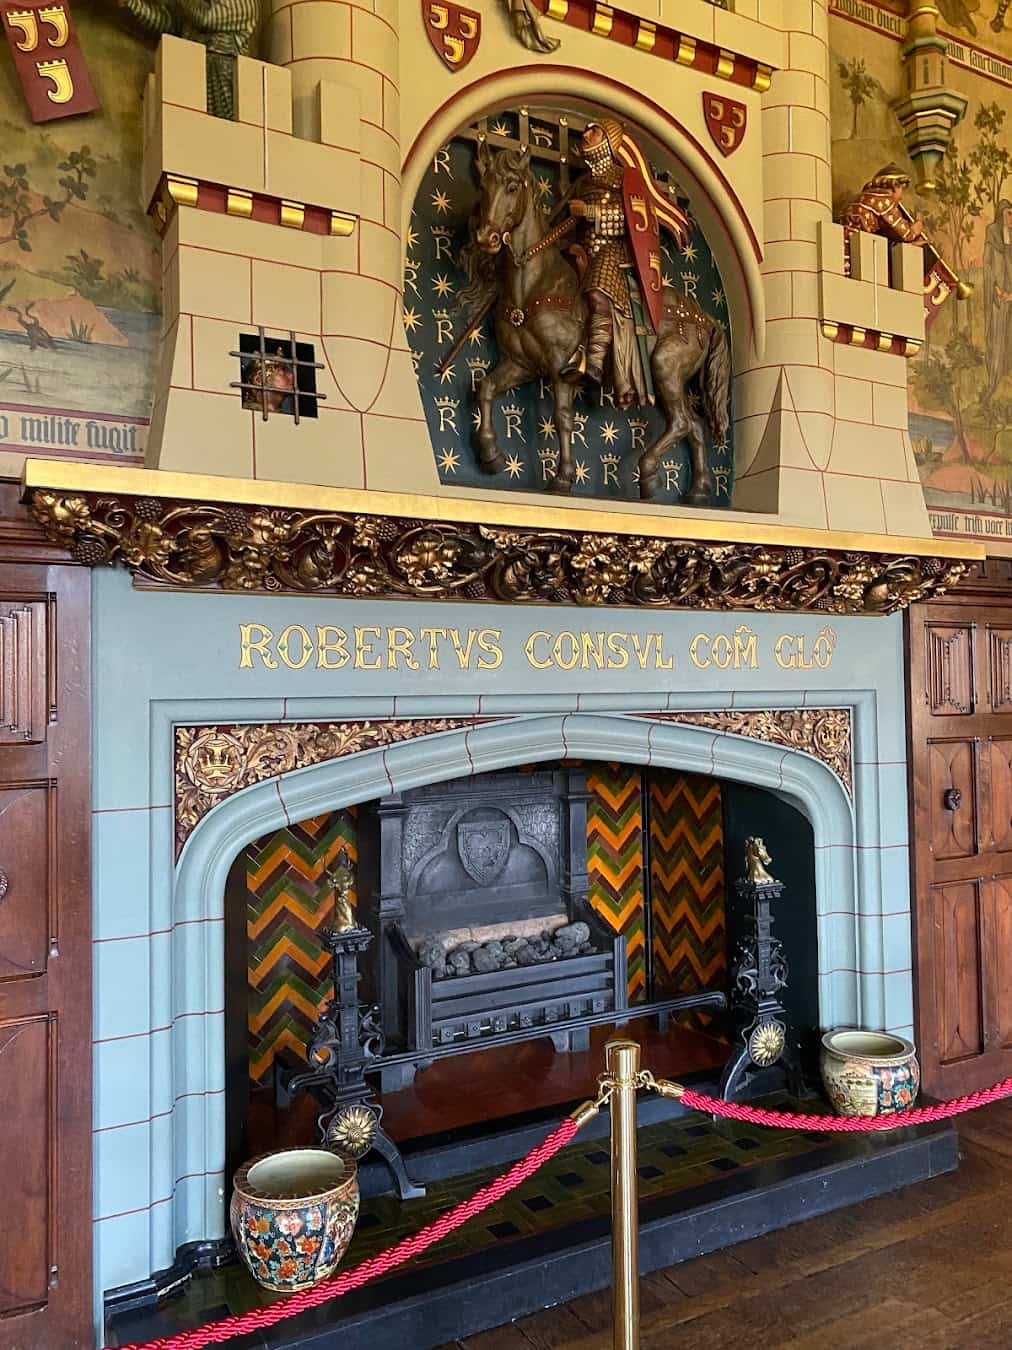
788, 1120
214, 1333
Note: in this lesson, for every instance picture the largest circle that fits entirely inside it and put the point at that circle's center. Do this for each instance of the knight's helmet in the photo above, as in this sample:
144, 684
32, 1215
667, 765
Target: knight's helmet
604, 155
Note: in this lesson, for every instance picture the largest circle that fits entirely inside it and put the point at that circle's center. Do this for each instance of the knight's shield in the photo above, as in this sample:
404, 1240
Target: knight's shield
453, 31
484, 846
645, 242
726, 120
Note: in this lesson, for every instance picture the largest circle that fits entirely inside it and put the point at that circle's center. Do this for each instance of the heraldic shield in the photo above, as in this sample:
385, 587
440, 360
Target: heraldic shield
484, 846
726, 119
645, 241
453, 31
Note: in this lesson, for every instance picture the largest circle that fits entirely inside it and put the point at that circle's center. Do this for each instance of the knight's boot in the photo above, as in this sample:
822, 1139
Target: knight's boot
572, 372
598, 344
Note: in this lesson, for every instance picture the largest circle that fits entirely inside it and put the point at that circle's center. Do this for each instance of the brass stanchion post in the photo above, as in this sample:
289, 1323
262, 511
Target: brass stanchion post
623, 1061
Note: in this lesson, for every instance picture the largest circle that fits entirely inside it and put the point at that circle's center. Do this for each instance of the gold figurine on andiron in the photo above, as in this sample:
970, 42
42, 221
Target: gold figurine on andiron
756, 858
341, 877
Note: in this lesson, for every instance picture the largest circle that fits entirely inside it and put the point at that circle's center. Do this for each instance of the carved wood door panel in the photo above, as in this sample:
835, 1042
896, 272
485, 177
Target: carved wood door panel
45, 957
960, 667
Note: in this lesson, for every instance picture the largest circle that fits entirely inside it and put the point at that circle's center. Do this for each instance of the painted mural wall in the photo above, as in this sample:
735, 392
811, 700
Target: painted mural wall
80, 284
961, 380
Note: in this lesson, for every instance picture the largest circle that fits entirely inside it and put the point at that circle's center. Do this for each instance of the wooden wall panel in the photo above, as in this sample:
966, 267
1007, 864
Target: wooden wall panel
24, 879
45, 942
958, 963
27, 1079
959, 654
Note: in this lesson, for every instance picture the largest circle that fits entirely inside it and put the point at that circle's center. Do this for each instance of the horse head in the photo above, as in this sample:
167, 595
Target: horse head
505, 183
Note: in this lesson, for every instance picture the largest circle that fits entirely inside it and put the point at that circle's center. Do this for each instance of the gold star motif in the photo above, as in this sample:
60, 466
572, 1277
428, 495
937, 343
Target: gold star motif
609, 433
718, 298
543, 186
476, 338
441, 201
500, 129
546, 427
582, 473
689, 252
476, 419
448, 461
411, 238
411, 320
442, 286
514, 467
445, 376
667, 281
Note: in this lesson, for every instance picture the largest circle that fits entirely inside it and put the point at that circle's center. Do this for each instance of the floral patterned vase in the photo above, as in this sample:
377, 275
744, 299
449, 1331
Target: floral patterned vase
293, 1213
869, 1073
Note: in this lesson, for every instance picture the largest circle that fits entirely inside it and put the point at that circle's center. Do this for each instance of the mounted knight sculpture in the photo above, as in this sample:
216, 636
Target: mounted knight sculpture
581, 298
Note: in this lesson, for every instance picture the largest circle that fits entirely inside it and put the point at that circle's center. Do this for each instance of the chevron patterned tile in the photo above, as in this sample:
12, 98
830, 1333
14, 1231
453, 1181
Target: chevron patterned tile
687, 882
285, 913
615, 860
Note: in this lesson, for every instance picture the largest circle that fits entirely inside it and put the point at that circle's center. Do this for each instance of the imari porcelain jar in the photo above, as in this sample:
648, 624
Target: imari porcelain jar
293, 1213
869, 1073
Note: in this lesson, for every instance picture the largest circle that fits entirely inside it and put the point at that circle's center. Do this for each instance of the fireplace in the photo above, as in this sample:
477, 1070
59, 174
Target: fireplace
476, 892
209, 755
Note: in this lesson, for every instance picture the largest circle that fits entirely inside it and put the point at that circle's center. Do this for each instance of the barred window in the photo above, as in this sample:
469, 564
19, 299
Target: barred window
277, 375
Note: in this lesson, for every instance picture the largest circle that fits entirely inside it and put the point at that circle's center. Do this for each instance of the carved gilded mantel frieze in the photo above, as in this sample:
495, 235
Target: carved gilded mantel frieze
241, 547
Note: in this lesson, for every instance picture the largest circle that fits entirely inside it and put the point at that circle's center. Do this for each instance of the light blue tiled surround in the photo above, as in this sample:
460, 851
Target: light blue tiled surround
164, 659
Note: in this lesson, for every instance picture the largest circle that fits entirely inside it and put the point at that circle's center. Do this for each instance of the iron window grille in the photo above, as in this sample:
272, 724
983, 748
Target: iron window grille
261, 358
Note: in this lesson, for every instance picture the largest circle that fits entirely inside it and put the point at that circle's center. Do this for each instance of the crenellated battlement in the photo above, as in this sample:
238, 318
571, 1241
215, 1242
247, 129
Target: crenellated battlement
871, 292
258, 153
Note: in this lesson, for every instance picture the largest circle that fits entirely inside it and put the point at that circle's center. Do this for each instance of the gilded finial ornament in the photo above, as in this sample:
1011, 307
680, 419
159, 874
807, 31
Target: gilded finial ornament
756, 858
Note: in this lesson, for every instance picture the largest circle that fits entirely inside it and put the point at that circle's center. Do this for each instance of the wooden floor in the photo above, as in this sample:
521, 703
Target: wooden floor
928, 1268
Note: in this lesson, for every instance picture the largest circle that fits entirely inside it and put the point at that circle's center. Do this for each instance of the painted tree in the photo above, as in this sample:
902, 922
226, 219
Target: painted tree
944, 380
20, 203
859, 85
990, 159
958, 204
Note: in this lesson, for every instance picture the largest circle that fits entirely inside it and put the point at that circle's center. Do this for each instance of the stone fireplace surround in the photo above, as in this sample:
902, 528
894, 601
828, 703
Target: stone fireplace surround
165, 660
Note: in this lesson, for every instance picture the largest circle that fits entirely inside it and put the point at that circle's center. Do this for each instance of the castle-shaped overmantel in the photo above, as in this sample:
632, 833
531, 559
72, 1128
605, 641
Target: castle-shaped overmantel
281, 227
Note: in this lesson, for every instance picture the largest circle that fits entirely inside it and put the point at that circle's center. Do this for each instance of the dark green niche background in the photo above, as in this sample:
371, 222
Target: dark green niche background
791, 843
607, 440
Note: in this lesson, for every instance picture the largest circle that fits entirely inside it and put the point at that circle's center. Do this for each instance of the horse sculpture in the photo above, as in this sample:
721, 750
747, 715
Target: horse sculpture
539, 320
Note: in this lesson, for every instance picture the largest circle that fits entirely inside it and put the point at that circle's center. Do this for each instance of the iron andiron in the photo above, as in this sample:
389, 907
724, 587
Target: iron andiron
758, 975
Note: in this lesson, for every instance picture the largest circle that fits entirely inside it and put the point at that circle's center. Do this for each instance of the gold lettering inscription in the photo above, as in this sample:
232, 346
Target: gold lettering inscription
364, 649
737, 652
284, 645
248, 644
331, 640
401, 648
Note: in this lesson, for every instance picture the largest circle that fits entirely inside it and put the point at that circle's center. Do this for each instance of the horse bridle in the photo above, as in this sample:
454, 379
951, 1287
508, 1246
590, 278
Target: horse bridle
516, 315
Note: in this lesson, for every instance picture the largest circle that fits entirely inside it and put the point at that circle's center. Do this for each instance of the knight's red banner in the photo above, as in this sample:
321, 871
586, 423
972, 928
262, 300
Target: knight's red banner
48, 59
645, 241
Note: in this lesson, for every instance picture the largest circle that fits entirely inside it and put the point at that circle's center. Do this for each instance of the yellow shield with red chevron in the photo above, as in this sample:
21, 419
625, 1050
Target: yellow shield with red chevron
645, 242
453, 31
726, 120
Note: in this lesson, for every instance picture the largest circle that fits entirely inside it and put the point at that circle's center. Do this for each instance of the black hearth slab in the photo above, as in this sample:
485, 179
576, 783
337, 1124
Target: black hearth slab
428, 1307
